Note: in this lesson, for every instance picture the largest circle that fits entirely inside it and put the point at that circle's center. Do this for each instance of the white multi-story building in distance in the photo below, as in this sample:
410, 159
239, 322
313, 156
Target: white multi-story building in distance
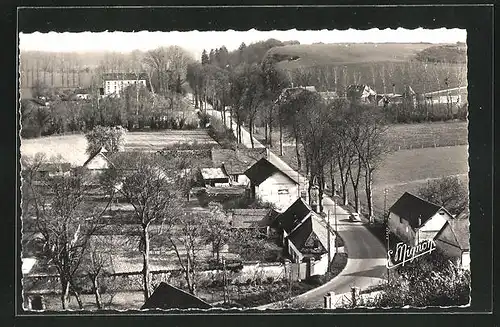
115, 83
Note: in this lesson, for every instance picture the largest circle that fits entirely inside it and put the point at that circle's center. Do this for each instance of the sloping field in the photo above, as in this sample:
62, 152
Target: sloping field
405, 136
327, 54
405, 171
72, 147
368, 62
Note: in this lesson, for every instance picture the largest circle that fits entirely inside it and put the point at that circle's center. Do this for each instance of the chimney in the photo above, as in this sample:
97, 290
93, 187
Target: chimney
393, 88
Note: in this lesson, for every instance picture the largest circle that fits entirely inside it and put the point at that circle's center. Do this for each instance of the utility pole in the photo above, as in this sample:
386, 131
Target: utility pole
224, 278
336, 227
386, 220
329, 250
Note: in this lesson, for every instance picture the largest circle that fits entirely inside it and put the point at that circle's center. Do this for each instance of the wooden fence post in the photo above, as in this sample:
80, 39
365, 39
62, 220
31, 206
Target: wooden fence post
354, 296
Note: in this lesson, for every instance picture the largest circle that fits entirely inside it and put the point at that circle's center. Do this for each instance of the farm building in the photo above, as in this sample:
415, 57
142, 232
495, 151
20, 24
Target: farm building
269, 184
102, 160
166, 296
261, 219
453, 239
236, 162
216, 177
457, 95
312, 241
53, 169
115, 83
414, 220
361, 93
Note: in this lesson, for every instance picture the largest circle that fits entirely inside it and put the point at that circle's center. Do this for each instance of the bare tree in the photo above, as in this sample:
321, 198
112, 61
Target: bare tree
150, 184
217, 228
66, 220
187, 240
371, 146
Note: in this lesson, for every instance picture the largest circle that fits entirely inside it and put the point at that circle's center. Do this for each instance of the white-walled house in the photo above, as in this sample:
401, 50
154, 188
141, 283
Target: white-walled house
269, 184
309, 242
115, 83
414, 219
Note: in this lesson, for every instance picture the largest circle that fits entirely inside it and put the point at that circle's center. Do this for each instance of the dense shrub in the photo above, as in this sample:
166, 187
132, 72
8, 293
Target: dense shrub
429, 280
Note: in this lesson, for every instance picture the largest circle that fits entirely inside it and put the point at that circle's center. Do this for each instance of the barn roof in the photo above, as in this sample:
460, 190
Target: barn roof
412, 209
167, 296
236, 162
247, 218
213, 173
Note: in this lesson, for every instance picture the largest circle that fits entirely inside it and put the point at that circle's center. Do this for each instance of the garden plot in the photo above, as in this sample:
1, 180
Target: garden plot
71, 148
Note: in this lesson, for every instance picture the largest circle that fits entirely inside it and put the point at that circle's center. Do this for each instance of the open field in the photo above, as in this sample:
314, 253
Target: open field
406, 171
406, 136
72, 147
324, 54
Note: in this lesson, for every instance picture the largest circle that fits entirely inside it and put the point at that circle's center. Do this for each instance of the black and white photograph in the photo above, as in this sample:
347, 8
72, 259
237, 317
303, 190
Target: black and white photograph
259, 169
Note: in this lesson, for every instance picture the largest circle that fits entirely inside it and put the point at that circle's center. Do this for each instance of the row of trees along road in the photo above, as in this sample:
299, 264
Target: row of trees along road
345, 137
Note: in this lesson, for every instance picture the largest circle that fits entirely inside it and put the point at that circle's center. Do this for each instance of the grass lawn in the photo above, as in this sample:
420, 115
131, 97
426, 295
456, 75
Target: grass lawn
72, 147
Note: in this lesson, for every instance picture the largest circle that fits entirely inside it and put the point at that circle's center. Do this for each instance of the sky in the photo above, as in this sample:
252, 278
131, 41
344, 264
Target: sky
196, 41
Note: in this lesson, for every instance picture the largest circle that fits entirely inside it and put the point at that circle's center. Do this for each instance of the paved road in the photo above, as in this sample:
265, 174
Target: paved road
366, 254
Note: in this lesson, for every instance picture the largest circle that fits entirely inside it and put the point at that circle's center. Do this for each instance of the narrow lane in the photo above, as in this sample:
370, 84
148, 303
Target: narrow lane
366, 254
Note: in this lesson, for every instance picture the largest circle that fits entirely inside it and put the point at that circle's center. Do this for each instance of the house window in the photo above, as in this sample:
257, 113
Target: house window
283, 191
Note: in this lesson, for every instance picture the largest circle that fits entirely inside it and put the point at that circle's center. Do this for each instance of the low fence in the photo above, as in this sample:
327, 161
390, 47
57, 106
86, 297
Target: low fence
245, 274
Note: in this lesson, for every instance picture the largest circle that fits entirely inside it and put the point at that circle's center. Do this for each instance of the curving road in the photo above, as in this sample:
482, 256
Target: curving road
366, 264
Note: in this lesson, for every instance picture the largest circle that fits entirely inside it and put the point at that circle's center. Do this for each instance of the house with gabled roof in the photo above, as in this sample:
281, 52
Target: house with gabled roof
453, 239
166, 297
312, 241
260, 219
216, 177
270, 184
236, 162
293, 216
414, 219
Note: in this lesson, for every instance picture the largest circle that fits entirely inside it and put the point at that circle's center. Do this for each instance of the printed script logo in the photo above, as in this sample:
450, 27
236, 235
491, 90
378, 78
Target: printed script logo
405, 253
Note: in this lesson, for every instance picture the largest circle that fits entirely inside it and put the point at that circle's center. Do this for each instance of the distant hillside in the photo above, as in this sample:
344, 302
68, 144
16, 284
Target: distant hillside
455, 53
307, 55
379, 65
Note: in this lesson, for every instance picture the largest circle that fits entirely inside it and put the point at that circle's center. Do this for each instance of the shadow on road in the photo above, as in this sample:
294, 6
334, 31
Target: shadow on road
379, 271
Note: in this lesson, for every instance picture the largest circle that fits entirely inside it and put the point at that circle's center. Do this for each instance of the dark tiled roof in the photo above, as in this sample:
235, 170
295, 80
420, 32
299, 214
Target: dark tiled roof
246, 218
236, 162
410, 208
262, 170
314, 226
460, 228
292, 216
167, 296
123, 76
